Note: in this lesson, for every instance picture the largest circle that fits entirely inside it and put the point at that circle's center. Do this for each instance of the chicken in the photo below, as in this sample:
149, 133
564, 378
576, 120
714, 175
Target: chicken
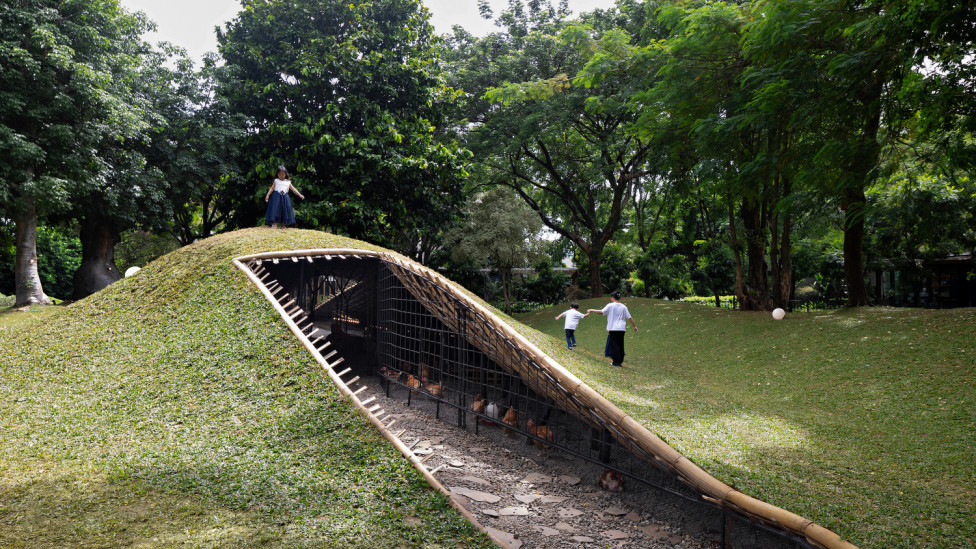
413, 383
491, 410
611, 481
424, 371
433, 388
540, 430
511, 418
390, 373
479, 405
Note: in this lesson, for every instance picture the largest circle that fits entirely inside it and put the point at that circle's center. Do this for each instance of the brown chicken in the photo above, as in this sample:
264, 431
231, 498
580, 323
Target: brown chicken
413, 383
390, 373
510, 418
432, 388
479, 405
540, 430
611, 481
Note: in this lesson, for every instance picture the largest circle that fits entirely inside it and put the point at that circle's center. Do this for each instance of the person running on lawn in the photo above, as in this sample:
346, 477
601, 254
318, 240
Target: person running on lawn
573, 316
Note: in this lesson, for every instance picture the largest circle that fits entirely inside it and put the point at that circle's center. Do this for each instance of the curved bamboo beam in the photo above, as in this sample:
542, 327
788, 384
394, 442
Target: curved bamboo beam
712, 489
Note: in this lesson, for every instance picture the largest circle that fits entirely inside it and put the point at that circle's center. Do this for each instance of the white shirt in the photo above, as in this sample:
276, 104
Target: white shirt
617, 316
282, 185
572, 319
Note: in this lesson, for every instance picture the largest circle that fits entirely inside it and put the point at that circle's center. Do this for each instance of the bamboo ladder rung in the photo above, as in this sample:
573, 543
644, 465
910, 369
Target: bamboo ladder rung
344, 372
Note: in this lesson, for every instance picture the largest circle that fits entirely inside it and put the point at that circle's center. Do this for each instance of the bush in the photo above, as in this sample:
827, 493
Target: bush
727, 301
636, 286
520, 306
548, 286
575, 293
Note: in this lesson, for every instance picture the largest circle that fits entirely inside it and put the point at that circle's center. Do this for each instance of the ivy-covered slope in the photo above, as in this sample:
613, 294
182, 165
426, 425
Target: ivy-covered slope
175, 408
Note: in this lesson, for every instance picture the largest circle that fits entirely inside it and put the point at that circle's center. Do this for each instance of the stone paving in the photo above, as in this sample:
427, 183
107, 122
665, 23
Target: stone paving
526, 499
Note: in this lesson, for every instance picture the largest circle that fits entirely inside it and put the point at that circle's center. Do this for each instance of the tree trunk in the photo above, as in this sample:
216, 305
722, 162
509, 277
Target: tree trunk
27, 281
505, 273
740, 292
857, 293
780, 254
595, 255
97, 270
756, 294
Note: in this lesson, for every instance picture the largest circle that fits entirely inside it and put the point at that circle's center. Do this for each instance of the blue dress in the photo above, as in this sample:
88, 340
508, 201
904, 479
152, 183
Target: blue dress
279, 209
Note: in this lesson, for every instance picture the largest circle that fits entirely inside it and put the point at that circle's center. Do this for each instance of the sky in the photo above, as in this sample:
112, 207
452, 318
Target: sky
190, 23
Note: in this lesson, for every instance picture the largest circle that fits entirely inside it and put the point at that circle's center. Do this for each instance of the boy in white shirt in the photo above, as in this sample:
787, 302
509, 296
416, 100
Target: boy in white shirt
573, 316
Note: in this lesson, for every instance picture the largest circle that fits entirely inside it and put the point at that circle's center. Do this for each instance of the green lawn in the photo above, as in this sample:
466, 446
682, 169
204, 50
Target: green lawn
175, 409
861, 420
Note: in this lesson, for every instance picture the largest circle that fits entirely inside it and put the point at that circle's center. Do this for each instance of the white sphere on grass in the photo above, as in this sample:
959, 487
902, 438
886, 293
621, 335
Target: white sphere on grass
778, 313
131, 271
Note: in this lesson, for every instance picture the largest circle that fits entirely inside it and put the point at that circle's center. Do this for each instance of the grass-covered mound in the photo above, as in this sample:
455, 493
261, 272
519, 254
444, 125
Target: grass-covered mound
175, 408
861, 420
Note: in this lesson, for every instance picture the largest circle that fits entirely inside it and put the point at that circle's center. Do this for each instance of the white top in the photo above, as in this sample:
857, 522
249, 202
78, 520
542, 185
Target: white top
282, 185
617, 316
572, 319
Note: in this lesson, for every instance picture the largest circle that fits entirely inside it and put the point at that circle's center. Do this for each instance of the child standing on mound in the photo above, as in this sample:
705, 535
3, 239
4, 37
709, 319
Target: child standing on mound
279, 204
573, 316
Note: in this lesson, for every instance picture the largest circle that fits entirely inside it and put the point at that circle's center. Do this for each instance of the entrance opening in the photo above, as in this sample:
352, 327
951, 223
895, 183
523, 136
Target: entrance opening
412, 329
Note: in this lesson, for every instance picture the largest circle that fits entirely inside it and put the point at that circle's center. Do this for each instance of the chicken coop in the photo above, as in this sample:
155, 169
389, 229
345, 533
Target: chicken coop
381, 315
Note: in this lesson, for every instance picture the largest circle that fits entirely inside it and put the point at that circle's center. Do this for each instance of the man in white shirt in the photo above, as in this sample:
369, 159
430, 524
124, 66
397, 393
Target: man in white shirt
617, 316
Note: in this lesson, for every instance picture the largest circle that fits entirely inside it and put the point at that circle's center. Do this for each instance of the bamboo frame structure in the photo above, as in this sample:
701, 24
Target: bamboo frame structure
441, 297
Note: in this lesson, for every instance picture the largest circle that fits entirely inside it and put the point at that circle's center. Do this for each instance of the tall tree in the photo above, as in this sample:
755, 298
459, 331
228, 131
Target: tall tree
350, 97
499, 231
193, 143
61, 98
564, 149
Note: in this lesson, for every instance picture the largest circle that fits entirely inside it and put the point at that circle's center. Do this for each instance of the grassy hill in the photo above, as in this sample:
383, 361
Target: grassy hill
175, 408
861, 420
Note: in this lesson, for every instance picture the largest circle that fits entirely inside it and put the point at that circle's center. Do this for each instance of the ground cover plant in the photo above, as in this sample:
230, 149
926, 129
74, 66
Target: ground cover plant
174, 408
860, 420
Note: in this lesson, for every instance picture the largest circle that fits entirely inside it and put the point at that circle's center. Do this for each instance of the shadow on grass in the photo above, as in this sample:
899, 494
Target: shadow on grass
54, 511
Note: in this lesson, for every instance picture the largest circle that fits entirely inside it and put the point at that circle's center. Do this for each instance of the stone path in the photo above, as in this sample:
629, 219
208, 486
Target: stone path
523, 498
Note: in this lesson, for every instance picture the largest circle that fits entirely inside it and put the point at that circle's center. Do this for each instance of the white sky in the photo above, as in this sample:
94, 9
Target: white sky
190, 23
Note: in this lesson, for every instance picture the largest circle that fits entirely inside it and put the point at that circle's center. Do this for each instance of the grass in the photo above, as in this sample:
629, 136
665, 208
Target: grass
861, 420
174, 408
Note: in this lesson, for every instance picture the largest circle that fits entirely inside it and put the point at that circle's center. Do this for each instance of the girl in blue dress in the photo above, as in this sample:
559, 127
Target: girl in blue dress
279, 203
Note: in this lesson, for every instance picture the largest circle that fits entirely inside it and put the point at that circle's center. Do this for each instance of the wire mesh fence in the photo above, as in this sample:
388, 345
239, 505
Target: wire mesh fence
421, 339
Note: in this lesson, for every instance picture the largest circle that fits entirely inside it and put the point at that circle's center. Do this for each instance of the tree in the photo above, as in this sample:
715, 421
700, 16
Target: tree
350, 98
64, 73
564, 149
498, 230
194, 144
